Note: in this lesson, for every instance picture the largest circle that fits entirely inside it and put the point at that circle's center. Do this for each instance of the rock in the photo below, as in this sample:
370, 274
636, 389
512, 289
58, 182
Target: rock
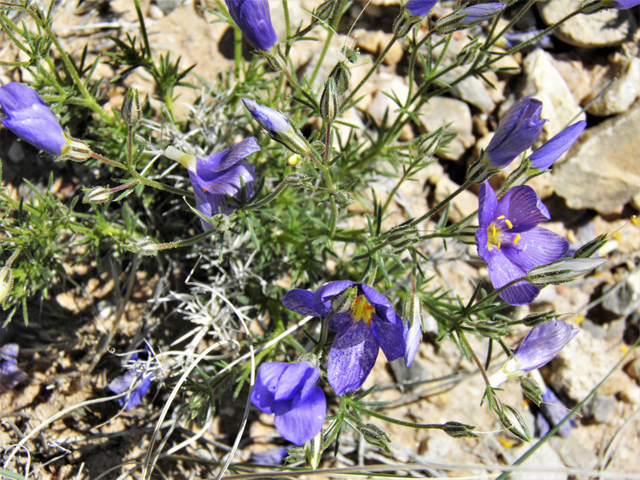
376, 41
573, 453
600, 408
630, 395
463, 205
168, 6
634, 369
598, 332
602, 170
624, 72
615, 330
546, 84
603, 29
579, 367
441, 111
405, 377
472, 90
579, 73
544, 464
626, 298
381, 103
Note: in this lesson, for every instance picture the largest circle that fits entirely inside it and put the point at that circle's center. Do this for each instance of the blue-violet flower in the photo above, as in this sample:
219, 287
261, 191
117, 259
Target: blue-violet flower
510, 242
216, 178
520, 127
289, 391
551, 151
30, 118
10, 374
553, 410
273, 456
624, 4
476, 14
367, 324
539, 347
134, 382
254, 19
419, 8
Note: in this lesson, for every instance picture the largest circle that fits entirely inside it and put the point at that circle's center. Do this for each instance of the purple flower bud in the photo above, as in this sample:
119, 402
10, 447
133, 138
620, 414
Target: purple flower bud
624, 4
254, 19
30, 118
547, 154
289, 392
419, 8
520, 127
137, 383
537, 349
477, 14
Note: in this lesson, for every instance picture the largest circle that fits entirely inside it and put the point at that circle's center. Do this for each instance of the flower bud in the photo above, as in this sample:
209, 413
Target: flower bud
131, 107
429, 143
591, 248
563, 271
341, 75
343, 199
531, 389
511, 419
76, 150
459, 430
329, 106
412, 310
403, 23
493, 330
468, 53
468, 17
480, 171
341, 303
375, 436
300, 180
324, 11
534, 319
97, 195
6, 282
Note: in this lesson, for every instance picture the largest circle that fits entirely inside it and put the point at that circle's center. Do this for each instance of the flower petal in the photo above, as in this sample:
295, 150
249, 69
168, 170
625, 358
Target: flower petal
322, 297
487, 205
502, 271
543, 343
300, 301
340, 321
412, 339
537, 247
294, 378
228, 157
302, 419
351, 358
522, 207
263, 394
380, 302
389, 336
551, 151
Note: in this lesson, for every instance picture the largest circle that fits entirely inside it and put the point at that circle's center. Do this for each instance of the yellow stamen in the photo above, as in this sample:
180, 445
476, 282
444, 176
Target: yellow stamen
500, 217
498, 245
493, 230
516, 240
361, 309
509, 224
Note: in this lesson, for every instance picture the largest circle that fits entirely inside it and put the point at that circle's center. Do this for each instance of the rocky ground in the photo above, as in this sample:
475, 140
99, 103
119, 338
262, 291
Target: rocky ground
591, 64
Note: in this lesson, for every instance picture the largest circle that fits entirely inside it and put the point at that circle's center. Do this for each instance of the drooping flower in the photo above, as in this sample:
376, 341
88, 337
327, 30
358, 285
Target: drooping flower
511, 243
216, 178
254, 19
539, 347
137, 383
289, 391
278, 127
547, 154
553, 411
10, 374
30, 118
366, 323
520, 127
419, 8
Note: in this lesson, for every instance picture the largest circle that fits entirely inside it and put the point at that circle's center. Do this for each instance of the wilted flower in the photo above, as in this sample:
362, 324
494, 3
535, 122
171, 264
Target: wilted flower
539, 347
551, 151
363, 324
30, 118
278, 127
520, 127
135, 382
289, 391
10, 374
219, 176
254, 19
510, 241
419, 8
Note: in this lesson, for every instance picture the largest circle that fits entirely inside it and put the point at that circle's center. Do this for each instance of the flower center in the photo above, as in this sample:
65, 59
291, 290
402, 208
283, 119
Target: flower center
361, 309
495, 233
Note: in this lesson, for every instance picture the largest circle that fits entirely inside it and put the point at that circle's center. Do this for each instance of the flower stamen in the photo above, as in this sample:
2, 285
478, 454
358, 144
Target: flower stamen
361, 309
516, 239
509, 224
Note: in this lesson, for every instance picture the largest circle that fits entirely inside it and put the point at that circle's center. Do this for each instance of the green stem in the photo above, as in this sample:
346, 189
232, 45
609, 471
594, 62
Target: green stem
337, 14
477, 361
422, 426
187, 242
324, 333
237, 51
280, 188
513, 21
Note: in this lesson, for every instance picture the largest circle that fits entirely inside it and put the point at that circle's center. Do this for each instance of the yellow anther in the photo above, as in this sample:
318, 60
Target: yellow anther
579, 319
500, 217
516, 240
509, 224
361, 309
493, 230
498, 245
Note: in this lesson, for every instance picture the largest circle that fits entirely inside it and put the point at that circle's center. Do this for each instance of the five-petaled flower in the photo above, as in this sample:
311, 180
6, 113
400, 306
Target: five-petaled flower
520, 127
551, 151
218, 177
254, 20
539, 347
366, 324
419, 8
289, 391
134, 382
30, 118
510, 241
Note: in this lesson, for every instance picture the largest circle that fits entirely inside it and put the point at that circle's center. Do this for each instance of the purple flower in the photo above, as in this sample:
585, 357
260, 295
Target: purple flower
539, 347
509, 40
547, 154
289, 391
270, 457
216, 178
554, 411
510, 241
412, 339
520, 127
254, 19
624, 4
134, 382
419, 8
477, 14
10, 374
277, 127
369, 323
30, 118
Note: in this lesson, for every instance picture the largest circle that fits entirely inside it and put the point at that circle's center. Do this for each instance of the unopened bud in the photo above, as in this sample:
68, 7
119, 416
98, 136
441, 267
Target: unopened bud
341, 75
589, 249
341, 303
563, 271
429, 144
97, 195
375, 436
511, 419
493, 330
459, 430
468, 53
412, 310
466, 235
75, 150
343, 199
6, 282
534, 319
329, 106
531, 389
293, 159
298, 180
324, 11
131, 107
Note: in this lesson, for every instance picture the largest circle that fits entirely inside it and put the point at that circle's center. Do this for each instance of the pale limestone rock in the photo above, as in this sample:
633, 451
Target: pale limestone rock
620, 95
381, 103
441, 111
375, 42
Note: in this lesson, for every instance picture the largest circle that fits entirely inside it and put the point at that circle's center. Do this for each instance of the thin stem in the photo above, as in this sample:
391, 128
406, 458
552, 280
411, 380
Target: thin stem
337, 14
187, 242
477, 361
237, 51
513, 21
422, 426
280, 188
324, 333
